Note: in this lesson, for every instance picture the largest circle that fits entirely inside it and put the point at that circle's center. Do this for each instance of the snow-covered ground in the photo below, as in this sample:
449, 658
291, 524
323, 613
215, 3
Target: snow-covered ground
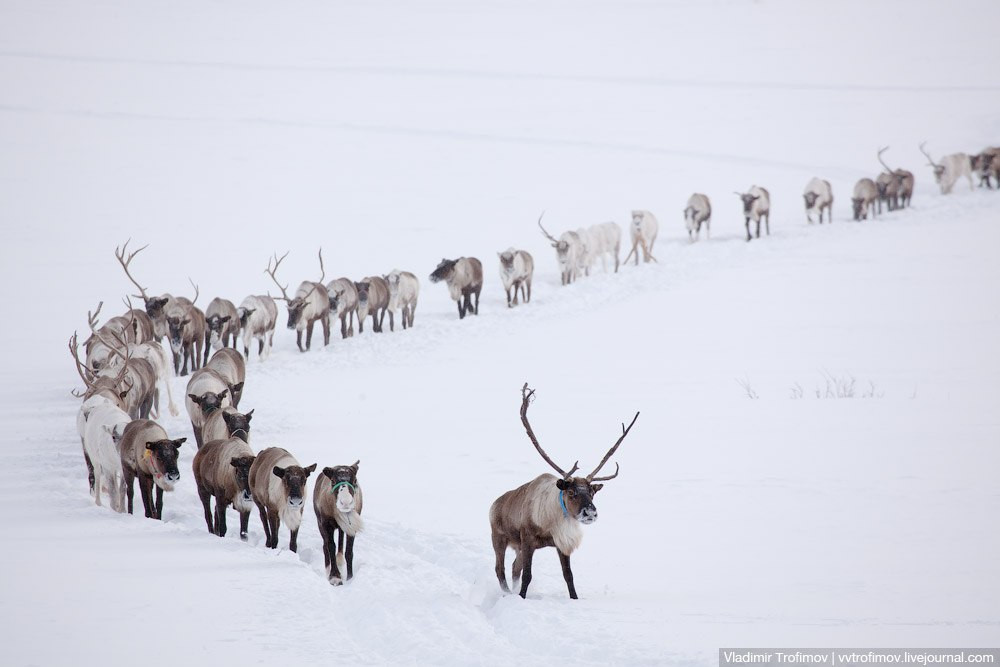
394, 134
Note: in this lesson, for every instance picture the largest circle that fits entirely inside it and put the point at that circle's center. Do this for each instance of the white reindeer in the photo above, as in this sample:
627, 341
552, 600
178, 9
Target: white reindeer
568, 250
105, 426
644, 230
606, 239
950, 169
818, 196
258, 317
516, 270
698, 211
404, 288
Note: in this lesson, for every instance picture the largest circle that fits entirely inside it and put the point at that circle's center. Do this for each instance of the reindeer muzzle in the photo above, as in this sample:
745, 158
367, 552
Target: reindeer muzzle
588, 515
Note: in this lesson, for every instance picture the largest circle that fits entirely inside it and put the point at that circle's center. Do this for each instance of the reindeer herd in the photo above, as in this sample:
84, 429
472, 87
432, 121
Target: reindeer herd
126, 373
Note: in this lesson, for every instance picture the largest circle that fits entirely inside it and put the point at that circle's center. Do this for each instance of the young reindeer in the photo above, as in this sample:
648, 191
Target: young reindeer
207, 391
404, 288
464, 277
278, 487
223, 324
569, 247
222, 469
545, 512
226, 423
516, 270
258, 316
818, 196
311, 303
756, 205
337, 501
697, 212
343, 304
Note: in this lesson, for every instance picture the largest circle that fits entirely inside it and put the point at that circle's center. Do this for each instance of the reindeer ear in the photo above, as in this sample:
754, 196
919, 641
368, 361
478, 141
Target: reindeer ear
222, 394
237, 387
185, 321
329, 472
594, 488
310, 469
278, 472
249, 415
561, 484
235, 462
150, 445
226, 318
179, 441
196, 399
355, 465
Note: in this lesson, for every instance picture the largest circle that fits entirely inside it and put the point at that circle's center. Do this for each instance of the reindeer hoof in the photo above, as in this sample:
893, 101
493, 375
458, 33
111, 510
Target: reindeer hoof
336, 581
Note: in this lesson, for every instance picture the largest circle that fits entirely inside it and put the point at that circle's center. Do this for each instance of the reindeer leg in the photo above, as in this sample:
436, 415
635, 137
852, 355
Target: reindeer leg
221, 505
461, 309
159, 503
528, 300
244, 524
206, 503
309, 335
208, 347
298, 340
343, 326
263, 520
293, 542
350, 557
567, 574
129, 480
326, 331
527, 553
146, 490
767, 224
90, 470
500, 548
748, 229
275, 521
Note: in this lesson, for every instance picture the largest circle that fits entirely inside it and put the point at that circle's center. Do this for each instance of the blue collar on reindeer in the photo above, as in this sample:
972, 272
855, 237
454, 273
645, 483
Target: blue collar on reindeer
340, 484
562, 503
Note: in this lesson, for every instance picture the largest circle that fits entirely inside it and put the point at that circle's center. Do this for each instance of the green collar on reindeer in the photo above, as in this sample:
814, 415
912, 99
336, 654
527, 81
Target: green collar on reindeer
336, 486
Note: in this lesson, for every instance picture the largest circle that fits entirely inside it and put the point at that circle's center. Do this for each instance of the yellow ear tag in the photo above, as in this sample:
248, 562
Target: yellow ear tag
148, 454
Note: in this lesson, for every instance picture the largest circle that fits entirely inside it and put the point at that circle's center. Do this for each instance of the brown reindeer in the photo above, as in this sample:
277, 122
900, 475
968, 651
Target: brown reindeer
373, 299
222, 469
278, 486
545, 512
464, 277
311, 303
147, 453
903, 186
337, 501
226, 423
230, 364
222, 323
207, 391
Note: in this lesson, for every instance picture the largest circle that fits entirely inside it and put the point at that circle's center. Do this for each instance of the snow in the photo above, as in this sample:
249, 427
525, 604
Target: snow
393, 134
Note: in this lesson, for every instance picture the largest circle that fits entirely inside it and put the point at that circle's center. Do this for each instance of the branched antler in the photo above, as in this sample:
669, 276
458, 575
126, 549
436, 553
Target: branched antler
547, 235
74, 348
272, 271
590, 477
120, 254
526, 395
321, 267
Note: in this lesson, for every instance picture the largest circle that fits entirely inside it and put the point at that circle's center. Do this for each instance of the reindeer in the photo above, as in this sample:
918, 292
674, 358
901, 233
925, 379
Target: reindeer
606, 238
644, 231
545, 512
187, 328
337, 502
373, 299
258, 317
343, 304
698, 211
311, 303
229, 364
105, 427
818, 196
226, 423
278, 486
222, 469
139, 371
147, 453
895, 186
866, 195
987, 164
569, 247
156, 306
950, 169
207, 391
464, 277
588, 252
223, 323
404, 288
517, 267
756, 205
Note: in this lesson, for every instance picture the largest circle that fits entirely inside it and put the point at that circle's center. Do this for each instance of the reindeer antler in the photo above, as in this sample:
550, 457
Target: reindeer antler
272, 271
321, 267
120, 255
74, 348
526, 395
547, 235
590, 477
929, 158
887, 167
196, 291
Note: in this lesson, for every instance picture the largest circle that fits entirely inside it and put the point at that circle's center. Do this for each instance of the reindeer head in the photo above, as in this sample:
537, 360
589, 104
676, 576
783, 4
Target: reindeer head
293, 478
295, 308
362, 288
162, 455
209, 402
810, 198
116, 431
748, 200
343, 484
238, 424
506, 260
154, 306
241, 468
245, 314
576, 494
215, 325
176, 325
392, 280
444, 271
637, 217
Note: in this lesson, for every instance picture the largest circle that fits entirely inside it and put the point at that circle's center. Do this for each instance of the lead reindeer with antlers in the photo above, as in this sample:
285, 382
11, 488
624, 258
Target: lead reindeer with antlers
311, 303
898, 189
546, 512
950, 169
